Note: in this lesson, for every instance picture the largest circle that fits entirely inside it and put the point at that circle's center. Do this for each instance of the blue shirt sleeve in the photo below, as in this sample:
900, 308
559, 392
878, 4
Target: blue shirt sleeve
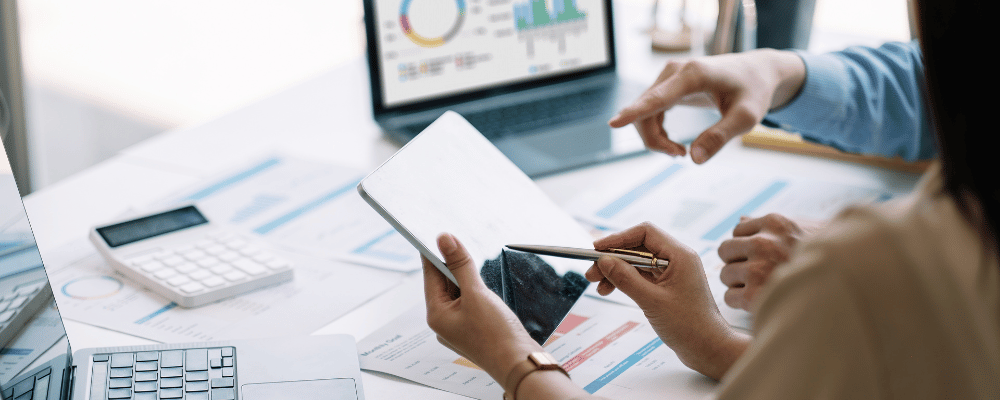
863, 100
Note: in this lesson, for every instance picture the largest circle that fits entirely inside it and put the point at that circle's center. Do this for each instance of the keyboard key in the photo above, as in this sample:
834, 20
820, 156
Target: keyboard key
221, 269
6, 316
18, 302
227, 372
173, 358
119, 393
193, 287
216, 249
172, 394
197, 359
236, 244
229, 256
147, 356
173, 261
197, 396
121, 372
250, 251
201, 386
101, 357
99, 379
263, 257
145, 396
195, 376
145, 386
166, 383
195, 255
145, 366
215, 363
250, 267
152, 266
146, 376
117, 383
5, 305
224, 394
222, 383
121, 360
227, 351
227, 362
171, 372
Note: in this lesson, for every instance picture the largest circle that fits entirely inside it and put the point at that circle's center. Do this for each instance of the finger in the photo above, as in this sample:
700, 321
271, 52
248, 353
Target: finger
459, 261
748, 226
736, 249
658, 98
736, 120
435, 286
593, 274
626, 278
605, 287
654, 137
645, 234
734, 275
735, 298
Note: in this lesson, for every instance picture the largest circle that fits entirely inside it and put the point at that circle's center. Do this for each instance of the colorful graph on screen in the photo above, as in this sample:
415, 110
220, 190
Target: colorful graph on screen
535, 13
404, 24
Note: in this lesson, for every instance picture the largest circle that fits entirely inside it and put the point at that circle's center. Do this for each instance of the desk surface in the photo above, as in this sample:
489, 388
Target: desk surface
328, 118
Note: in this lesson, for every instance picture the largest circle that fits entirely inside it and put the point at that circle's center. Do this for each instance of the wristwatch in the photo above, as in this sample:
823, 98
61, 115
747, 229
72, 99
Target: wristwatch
537, 361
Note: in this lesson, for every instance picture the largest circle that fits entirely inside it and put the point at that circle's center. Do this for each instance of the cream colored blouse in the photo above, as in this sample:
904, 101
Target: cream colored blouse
894, 301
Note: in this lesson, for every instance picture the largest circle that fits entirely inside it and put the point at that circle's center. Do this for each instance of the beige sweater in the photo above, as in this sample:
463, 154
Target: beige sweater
894, 301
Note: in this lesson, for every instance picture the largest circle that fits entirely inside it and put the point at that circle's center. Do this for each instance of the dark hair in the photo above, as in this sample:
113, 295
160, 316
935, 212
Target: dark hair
957, 40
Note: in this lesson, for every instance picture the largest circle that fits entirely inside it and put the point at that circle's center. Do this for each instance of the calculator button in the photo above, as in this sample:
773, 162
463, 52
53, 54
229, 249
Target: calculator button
207, 262
184, 249
164, 273
18, 302
277, 264
229, 256
193, 287
200, 274
216, 249
236, 244
6, 316
213, 281
263, 257
235, 276
141, 259
249, 267
173, 260
221, 269
250, 251
162, 254
152, 266
4, 306
204, 243
194, 255
186, 268
178, 280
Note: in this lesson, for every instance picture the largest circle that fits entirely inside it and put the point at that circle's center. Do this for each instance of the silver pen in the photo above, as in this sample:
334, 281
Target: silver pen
639, 259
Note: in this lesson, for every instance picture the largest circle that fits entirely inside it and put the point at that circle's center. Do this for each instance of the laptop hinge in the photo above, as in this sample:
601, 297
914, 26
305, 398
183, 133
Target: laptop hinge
68, 381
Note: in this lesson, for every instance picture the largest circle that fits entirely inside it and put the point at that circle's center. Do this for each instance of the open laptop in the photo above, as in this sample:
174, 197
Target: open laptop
303, 368
536, 77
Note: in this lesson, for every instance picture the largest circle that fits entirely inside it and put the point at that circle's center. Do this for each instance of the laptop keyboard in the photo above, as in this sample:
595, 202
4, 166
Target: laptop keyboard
192, 374
32, 387
17, 305
522, 117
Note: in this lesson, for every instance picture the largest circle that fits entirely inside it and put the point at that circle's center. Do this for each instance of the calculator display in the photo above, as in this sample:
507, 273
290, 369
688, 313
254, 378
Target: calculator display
154, 225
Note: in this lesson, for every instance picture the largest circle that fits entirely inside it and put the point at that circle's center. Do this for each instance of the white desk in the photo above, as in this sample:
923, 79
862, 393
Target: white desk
328, 118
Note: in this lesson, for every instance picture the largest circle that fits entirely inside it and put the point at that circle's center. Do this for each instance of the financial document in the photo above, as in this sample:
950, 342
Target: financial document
322, 290
304, 206
608, 349
700, 205
38, 335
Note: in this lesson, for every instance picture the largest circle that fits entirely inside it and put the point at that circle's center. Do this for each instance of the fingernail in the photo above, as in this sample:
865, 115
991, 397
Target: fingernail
698, 154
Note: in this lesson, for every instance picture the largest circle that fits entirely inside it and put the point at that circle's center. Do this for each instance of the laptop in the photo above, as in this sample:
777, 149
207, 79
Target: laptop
536, 77
304, 368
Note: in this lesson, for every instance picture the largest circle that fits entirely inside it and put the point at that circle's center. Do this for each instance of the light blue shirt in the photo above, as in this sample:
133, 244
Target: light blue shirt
863, 100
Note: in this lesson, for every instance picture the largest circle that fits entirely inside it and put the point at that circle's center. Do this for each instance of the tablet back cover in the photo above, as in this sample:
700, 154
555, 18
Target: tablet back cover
452, 179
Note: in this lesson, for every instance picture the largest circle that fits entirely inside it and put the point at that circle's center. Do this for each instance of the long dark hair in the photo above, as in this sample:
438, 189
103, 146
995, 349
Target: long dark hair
957, 39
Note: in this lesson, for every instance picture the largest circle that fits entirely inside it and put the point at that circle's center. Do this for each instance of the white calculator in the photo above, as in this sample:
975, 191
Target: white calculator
182, 256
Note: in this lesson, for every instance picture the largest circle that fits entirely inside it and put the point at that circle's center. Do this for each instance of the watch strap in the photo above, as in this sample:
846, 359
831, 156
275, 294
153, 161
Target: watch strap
537, 361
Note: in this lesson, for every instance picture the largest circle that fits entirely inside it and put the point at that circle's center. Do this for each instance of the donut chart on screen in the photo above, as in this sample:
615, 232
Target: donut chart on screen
404, 23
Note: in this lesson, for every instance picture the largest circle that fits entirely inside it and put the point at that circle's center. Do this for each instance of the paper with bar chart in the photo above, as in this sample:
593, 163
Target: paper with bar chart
608, 349
701, 204
433, 48
304, 206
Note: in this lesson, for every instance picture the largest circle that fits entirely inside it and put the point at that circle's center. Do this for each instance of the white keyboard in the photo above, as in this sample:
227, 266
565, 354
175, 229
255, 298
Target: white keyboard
217, 266
20, 301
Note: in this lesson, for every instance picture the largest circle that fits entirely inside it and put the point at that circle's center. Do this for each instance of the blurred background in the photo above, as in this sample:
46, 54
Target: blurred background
100, 75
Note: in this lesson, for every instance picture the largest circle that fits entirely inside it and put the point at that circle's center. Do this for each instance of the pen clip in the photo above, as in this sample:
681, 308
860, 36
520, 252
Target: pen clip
650, 256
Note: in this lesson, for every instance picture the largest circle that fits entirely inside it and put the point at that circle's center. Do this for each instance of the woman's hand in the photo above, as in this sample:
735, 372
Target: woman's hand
473, 321
757, 247
677, 302
742, 86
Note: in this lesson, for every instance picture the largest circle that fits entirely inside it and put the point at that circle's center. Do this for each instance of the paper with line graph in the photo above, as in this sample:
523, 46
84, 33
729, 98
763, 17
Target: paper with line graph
304, 206
608, 349
701, 204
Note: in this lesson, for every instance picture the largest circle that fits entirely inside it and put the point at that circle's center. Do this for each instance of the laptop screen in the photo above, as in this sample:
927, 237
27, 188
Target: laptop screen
430, 49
